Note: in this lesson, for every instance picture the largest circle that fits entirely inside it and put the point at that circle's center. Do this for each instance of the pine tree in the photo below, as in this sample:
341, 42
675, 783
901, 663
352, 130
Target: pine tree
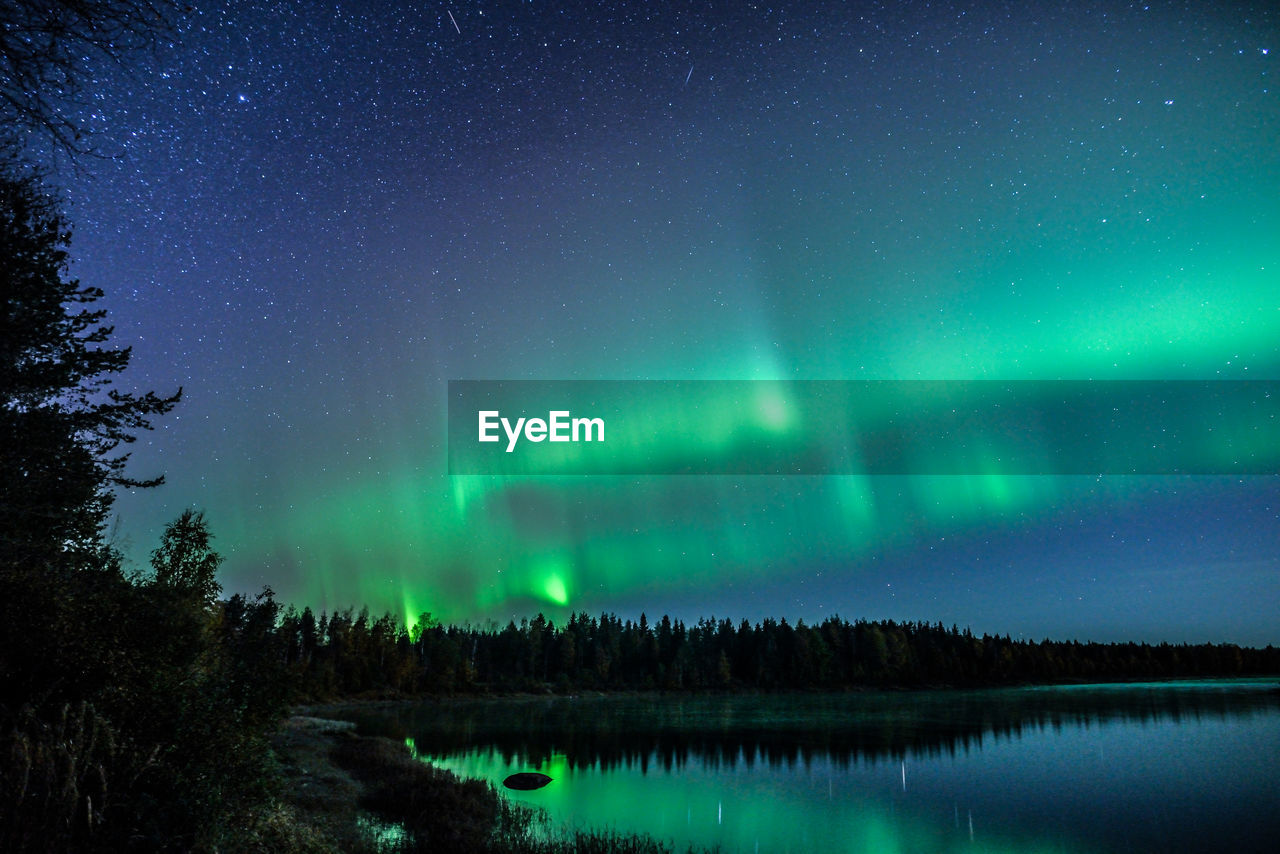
62, 425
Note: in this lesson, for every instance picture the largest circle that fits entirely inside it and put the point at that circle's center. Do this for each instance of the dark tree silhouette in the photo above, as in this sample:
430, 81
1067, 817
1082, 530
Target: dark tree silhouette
185, 560
62, 425
343, 654
133, 712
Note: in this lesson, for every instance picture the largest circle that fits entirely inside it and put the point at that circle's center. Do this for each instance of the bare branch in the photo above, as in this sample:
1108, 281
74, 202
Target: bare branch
48, 49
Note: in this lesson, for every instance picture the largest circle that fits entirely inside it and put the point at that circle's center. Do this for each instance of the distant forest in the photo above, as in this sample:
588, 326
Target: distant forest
345, 654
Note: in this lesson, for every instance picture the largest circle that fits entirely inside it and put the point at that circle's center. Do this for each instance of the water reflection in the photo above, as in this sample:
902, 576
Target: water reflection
669, 732
1169, 767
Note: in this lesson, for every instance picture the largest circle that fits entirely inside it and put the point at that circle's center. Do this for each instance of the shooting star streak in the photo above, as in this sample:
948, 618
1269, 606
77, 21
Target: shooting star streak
687, 76
459, 29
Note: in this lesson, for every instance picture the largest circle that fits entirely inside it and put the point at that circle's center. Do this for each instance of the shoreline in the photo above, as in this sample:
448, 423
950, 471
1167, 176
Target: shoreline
318, 708
344, 793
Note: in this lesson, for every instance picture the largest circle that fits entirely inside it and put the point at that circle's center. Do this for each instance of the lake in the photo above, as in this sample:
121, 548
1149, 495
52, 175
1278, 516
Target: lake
1176, 767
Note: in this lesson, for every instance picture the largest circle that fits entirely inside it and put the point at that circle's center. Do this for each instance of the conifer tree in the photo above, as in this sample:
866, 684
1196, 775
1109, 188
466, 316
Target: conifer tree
62, 424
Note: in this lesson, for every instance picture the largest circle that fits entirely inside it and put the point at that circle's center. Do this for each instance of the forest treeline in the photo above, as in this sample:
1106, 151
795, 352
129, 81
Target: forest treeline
349, 654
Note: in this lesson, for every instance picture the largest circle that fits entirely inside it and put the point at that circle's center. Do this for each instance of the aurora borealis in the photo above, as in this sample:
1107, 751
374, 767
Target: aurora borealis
313, 218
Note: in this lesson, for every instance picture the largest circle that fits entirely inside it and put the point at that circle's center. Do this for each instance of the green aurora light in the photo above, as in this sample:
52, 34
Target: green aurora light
1013, 193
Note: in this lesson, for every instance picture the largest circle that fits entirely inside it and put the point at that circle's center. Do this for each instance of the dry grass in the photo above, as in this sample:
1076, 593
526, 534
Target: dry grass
319, 798
339, 788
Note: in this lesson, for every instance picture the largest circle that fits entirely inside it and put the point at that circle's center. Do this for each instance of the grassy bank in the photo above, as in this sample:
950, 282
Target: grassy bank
348, 793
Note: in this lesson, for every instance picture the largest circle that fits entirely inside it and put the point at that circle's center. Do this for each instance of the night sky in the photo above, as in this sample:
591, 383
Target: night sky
314, 216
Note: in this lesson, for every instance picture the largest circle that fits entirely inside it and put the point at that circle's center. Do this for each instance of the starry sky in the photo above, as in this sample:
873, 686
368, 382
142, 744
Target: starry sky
313, 216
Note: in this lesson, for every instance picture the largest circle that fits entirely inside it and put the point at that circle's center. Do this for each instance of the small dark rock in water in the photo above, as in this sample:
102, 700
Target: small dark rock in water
526, 780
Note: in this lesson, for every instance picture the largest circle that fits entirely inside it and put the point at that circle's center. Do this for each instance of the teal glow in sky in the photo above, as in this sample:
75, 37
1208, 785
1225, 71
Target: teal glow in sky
318, 218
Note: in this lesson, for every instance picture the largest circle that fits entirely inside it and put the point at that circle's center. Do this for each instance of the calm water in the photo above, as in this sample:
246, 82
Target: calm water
1178, 767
